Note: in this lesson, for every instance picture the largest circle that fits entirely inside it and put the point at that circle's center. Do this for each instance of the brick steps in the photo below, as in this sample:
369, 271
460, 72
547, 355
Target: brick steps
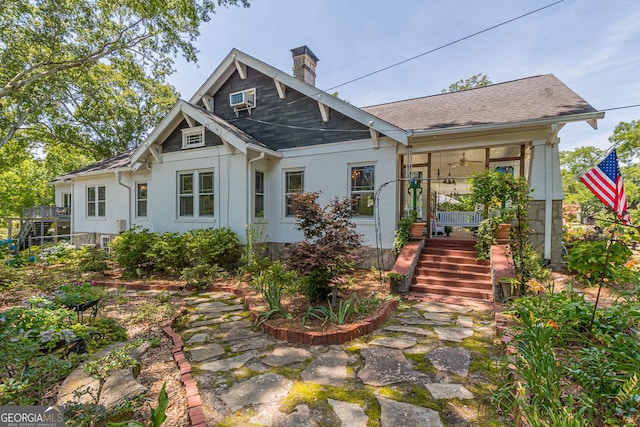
448, 270
456, 271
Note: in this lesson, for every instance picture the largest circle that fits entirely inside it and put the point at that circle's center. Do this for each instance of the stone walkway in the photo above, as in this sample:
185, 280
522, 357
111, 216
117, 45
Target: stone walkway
429, 365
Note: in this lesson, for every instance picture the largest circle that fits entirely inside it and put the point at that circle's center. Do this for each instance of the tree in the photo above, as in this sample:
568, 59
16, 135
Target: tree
575, 163
54, 51
477, 80
331, 244
24, 175
627, 136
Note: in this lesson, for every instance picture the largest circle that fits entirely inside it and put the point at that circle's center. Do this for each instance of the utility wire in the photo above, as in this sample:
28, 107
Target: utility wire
620, 108
445, 45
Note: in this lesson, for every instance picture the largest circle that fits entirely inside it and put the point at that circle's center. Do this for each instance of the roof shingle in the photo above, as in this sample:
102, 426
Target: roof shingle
527, 99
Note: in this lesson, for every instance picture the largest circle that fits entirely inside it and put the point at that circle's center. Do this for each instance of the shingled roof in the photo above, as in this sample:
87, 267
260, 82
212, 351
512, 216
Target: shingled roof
114, 163
529, 99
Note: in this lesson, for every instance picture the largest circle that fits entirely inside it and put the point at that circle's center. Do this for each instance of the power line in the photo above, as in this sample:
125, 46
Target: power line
445, 45
620, 108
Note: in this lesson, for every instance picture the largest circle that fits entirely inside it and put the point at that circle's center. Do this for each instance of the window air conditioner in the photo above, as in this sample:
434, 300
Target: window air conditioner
243, 99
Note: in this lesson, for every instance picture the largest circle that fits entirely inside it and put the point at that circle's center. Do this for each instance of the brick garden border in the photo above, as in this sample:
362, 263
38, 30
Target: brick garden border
194, 402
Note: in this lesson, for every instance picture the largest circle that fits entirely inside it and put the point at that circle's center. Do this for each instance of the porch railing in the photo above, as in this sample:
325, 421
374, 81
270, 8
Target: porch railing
459, 219
45, 212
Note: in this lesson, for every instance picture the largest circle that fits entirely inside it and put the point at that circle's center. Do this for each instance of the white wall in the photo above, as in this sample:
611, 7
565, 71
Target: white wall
117, 206
327, 169
229, 190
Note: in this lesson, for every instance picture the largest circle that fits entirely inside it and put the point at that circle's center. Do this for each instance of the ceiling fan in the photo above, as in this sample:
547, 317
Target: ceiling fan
464, 161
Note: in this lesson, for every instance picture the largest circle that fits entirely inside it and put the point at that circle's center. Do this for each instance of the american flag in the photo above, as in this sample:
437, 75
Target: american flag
605, 182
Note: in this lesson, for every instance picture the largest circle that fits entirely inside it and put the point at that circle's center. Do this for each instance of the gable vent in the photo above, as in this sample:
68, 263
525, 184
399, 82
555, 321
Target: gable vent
243, 100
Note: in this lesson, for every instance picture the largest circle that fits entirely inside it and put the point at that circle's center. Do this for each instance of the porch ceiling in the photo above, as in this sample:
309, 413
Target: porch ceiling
461, 164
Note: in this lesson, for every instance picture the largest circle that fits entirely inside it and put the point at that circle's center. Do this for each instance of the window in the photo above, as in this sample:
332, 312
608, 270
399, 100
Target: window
66, 204
293, 183
258, 194
362, 189
96, 201
193, 137
141, 199
196, 200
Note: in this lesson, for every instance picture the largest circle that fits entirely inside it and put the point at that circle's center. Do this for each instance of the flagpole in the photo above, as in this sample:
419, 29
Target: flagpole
604, 272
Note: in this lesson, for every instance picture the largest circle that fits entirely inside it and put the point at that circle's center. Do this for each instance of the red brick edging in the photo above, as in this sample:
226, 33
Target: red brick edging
194, 403
296, 336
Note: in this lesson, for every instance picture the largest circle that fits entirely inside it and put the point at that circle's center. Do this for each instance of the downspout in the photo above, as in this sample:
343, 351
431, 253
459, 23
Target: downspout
72, 225
119, 177
248, 217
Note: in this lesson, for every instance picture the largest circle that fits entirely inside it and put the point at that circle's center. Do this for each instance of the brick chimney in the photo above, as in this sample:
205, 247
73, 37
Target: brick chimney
304, 64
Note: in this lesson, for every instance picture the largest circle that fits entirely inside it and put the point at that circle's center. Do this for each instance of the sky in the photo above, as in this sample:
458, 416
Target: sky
593, 46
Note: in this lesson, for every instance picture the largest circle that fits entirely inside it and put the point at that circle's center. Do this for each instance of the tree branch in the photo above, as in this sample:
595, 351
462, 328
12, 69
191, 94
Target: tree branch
15, 126
21, 79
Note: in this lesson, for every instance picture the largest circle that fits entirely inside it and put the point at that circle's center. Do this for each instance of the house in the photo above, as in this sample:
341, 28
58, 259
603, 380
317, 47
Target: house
252, 134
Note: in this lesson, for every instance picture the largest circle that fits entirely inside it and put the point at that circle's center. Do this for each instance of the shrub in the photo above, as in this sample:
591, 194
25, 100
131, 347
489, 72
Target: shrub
212, 246
90, 258
272, 284
168, 253
78, 293
331, 244
587, 261
202, 274
130, 248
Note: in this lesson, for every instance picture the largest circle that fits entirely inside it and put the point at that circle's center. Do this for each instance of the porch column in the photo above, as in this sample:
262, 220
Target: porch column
545, 212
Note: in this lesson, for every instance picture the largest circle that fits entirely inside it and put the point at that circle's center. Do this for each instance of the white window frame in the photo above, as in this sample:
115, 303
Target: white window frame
66, 203
263, 194
196, 134
353, 193
96, 201
287, 193
196, 193
139, 199
105, 241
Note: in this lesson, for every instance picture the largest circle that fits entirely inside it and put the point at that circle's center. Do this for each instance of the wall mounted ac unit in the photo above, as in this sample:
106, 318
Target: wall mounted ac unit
121, 225
243, 100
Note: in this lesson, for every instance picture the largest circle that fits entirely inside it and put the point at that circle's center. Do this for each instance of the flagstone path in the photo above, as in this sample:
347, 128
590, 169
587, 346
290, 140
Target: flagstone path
429, 365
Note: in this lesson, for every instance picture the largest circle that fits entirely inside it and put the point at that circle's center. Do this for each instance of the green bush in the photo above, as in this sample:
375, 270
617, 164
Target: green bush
212, 246
587, 260
168, 252
90, 258
202, 275
78, 293
130, 248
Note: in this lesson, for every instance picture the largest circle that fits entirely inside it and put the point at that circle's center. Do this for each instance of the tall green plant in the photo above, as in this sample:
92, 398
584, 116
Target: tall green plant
272, 284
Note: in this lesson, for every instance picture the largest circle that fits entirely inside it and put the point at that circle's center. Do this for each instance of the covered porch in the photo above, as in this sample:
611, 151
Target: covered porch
436, 183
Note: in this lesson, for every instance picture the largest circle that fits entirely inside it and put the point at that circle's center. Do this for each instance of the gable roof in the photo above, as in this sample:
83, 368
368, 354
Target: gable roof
232, 137
531, 100
237, 60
